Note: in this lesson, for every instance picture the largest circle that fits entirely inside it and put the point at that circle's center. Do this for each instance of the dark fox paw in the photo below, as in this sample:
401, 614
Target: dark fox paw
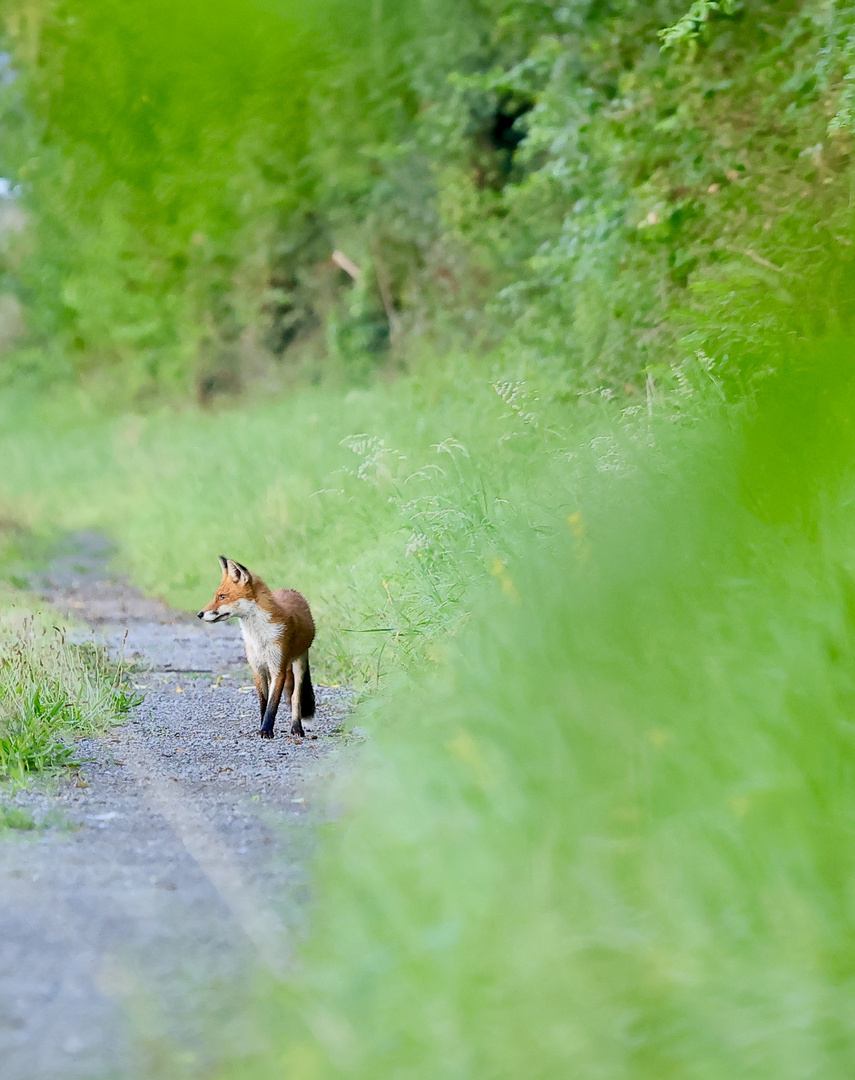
266, 733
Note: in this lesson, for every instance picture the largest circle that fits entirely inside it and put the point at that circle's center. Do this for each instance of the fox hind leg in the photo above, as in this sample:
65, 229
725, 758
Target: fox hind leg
298, 666
289, 681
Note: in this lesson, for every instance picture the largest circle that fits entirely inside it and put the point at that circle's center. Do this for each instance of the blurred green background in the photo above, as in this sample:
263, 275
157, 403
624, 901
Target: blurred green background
518, 335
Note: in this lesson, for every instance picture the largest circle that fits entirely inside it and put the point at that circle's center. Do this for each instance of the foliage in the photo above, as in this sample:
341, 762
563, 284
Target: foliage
689, 27
161, 155
537, 175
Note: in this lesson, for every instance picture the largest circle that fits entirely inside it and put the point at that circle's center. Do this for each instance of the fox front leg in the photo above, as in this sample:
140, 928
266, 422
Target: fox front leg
269, 717
262, 686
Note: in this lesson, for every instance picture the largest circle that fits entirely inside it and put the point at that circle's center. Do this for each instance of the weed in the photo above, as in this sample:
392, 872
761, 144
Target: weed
16, 817
51, 689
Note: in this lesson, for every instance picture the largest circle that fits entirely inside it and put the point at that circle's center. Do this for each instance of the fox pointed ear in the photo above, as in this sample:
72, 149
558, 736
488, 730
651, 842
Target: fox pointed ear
237, 572
245, 575
224, 563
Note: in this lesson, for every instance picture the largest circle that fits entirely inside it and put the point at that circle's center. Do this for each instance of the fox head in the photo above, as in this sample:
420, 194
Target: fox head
235, 594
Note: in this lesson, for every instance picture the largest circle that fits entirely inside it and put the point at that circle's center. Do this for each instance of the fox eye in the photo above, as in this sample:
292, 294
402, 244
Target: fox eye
222, 596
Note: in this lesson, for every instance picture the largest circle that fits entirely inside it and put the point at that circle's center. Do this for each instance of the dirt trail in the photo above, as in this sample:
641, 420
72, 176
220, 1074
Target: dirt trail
184, 866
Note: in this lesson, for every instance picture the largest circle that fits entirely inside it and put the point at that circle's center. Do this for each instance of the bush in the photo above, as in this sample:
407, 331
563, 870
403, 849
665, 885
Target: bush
543, 177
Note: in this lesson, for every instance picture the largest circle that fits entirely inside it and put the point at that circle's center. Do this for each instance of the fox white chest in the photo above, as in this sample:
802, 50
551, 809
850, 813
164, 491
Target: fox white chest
262, 638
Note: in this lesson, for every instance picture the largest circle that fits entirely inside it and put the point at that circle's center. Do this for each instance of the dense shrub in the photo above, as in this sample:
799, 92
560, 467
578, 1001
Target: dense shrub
563, 179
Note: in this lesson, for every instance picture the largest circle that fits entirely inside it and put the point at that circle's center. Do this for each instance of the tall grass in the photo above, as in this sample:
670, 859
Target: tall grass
603, 824
383, 505
610, 833
51, 690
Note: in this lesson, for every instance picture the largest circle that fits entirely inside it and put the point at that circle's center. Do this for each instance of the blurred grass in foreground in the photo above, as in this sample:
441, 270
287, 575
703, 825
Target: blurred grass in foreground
604, 823
611, 833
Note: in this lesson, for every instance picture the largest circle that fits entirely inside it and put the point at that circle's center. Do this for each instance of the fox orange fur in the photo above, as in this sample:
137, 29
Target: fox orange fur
277, 628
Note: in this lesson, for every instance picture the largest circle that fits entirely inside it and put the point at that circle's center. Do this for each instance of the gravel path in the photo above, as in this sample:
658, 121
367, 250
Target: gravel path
179, 864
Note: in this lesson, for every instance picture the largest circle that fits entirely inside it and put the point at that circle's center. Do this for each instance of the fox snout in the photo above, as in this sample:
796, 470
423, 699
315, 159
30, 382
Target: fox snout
212, 615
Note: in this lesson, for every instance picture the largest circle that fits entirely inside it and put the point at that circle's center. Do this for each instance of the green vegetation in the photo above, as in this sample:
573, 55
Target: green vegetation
559, 445
610, 833
51, 690
385, 506
602, 822
541, 179
16, 817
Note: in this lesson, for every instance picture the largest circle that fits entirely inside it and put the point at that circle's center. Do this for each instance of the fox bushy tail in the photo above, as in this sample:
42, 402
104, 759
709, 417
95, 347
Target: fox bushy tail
307, 694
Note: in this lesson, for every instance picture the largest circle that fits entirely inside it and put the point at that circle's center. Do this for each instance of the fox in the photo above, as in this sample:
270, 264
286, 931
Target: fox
277, 628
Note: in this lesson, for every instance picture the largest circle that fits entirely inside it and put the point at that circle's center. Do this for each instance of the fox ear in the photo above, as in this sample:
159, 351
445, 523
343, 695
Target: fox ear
224, 563
237, 572
245, 575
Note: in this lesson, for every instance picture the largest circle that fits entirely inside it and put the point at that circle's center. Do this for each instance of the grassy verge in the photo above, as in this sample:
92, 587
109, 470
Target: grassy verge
51, 690
610, 833
604, 824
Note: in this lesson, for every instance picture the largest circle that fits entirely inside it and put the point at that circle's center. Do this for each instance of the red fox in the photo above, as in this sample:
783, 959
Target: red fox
277, 629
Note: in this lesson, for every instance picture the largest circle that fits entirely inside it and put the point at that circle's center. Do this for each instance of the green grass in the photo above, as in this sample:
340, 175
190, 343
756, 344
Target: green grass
17, 818
51, 690
611, 833
603, 825
384, 505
